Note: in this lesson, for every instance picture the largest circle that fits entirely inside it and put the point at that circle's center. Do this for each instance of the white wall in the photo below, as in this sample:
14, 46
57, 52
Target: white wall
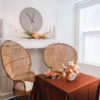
65, 32
62, 10
59, 12
12, 9
38, 65
0, 8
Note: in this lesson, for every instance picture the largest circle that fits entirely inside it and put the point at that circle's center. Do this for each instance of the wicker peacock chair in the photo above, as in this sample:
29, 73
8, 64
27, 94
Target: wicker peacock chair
56, 54
17, 63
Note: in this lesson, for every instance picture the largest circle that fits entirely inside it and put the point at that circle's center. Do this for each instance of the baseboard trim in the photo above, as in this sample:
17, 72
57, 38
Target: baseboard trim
6, 96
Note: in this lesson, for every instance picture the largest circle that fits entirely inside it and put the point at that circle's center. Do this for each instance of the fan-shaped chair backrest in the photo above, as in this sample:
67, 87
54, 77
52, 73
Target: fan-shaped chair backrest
56, 54
15, 58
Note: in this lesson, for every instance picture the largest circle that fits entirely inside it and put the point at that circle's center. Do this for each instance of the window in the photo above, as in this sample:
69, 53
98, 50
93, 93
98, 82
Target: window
89, 34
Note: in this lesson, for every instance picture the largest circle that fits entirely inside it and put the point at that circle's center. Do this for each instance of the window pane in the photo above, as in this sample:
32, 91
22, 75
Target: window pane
89, 34
92, 49
90, 18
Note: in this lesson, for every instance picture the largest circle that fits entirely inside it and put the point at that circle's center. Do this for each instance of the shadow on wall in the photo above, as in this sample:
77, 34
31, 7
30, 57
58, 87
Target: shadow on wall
38, 65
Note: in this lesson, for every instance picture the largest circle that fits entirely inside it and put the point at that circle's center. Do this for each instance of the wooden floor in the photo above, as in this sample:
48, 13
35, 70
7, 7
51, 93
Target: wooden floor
19, 98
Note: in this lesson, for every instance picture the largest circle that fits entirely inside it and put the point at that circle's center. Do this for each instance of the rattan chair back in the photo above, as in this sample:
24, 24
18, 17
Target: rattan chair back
56, 54
15, 58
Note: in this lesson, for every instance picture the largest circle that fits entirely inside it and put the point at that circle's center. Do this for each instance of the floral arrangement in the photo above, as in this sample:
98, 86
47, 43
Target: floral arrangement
69, 70
36, 35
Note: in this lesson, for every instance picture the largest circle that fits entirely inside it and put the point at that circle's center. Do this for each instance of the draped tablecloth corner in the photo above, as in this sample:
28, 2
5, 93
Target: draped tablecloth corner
84, 87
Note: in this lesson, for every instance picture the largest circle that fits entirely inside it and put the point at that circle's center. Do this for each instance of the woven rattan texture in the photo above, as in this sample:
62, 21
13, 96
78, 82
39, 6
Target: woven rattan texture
17, 63
56, 54
15, 59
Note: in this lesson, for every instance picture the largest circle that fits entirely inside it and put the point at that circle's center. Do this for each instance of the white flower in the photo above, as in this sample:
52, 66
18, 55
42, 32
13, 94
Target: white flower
71, 70
63, 65
61, 69
71, 63
64, 74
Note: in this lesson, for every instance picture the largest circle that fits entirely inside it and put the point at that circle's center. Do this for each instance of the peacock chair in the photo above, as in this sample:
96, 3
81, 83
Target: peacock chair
17, 63
56, 54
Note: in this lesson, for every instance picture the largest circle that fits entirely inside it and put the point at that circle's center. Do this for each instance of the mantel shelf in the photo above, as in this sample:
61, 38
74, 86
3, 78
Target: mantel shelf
31, 43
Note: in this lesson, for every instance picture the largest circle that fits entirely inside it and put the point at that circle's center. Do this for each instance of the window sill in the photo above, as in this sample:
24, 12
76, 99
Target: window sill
89, 64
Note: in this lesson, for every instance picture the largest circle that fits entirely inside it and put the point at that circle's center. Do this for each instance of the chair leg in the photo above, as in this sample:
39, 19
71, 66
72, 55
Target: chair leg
25, 98
16, 98
29, 96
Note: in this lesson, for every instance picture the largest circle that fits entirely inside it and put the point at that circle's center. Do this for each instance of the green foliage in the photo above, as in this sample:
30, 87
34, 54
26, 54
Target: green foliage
28, 33
30, 38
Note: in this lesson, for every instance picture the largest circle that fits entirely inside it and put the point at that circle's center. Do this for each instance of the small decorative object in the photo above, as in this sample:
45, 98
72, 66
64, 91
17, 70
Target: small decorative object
31, 19
52, 74
3, 28
71, 76
36, 35
69, 70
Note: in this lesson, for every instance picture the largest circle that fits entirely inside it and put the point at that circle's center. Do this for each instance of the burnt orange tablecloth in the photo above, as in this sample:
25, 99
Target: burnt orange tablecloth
84, 87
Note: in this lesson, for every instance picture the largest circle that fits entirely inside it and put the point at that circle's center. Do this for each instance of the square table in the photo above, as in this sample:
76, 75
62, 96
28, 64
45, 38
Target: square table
84, 87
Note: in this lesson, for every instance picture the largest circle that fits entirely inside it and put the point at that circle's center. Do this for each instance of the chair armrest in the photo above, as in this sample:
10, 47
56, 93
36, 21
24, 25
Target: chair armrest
31, 76
19, 84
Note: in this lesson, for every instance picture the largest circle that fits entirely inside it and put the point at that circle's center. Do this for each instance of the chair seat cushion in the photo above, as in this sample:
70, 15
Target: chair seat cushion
24, 86
23, 83
28, 85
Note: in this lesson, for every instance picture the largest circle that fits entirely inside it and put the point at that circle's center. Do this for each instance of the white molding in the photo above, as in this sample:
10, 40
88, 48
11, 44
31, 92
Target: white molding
6, 96
91, 33
86, 4
78, 2
77, 25
31, 43
0, 92
76, 29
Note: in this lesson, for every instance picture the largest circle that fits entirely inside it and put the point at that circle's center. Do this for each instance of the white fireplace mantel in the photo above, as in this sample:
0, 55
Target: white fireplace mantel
31, 43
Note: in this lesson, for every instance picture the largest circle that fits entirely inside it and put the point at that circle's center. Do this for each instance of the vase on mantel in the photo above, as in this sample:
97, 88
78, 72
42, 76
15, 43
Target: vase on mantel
3, 29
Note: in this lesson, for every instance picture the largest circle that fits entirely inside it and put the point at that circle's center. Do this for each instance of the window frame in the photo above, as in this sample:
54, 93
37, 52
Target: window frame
77, 9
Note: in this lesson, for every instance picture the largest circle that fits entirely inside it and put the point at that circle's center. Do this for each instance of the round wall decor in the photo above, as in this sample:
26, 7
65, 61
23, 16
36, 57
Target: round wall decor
31, 19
